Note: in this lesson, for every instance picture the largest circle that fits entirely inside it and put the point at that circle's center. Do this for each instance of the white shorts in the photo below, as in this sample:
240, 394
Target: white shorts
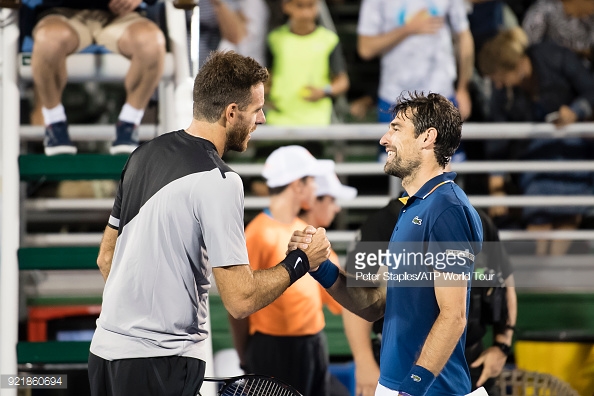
383, 391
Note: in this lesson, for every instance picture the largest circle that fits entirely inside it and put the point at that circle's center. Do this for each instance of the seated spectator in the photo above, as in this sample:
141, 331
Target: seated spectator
569, 23
487, 18
256, 15
307, 68
219, 19
537, 83
70, 26
519, 7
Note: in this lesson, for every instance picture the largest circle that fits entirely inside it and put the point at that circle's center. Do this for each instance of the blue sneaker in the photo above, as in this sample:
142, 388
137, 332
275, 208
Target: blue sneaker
57, 140
126, 138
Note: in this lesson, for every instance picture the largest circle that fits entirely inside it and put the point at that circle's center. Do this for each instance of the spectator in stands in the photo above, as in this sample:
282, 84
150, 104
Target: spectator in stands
415, 45
485, 364
70, 26
285, 339
569, 23
256, 14
219, 19
536, 83
307, 68
486, 19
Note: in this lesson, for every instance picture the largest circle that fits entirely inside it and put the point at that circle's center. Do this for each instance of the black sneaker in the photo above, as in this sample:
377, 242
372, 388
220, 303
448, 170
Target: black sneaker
57, 140
126, 138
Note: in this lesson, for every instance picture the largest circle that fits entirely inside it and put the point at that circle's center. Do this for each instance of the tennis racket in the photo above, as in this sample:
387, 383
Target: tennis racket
253, 385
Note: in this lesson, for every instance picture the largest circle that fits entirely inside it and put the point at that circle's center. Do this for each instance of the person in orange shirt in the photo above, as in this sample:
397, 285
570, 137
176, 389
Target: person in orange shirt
285, 339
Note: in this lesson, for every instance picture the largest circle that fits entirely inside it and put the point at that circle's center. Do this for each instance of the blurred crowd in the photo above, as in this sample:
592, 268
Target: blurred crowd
498, 61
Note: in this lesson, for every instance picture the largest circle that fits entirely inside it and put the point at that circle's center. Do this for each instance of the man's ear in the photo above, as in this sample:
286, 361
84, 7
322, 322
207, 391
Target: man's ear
428, 137
231, 113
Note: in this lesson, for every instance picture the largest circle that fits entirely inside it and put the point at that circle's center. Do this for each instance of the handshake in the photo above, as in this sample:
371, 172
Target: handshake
314, 243
308, 251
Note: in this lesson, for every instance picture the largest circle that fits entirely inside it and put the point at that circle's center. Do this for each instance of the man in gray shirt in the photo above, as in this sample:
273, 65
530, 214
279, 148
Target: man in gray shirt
177, 218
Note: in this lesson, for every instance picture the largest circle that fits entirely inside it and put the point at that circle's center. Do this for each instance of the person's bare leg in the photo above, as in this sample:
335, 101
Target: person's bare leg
144, 44
54, 41
559, 247
542, 245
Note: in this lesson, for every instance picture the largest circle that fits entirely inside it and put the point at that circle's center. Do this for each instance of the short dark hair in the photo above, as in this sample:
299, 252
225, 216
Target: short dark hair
226, 77
433, 110
277, 190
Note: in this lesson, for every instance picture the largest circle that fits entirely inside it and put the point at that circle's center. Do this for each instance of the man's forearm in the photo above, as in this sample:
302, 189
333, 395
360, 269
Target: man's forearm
464, 59
244, 291
358, 333
231, 23
369, 47
240, 334
441, 341
512, 311
366, 302
106, 251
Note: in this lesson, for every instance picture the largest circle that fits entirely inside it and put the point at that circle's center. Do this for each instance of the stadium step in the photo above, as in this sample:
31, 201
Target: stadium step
58, 258
53, 352
71, 167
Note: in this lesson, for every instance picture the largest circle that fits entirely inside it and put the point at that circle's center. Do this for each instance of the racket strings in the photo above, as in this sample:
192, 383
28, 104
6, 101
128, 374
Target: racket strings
256, 387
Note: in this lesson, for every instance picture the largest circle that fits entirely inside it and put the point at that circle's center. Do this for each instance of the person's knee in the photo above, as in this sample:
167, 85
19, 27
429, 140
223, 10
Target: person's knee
144, 40
55, 38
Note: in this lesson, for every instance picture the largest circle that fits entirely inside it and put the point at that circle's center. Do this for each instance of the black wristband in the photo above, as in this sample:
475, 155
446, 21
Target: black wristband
506, 349
296, 263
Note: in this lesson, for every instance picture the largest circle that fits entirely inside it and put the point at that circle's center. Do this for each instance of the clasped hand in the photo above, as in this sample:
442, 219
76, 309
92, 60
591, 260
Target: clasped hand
314, 243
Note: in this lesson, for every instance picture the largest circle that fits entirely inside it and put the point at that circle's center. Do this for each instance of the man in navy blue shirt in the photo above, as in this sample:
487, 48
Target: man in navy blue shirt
424, 321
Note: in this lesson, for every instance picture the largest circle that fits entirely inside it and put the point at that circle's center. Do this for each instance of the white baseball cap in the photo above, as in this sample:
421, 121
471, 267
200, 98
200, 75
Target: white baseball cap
289, 163
328, 184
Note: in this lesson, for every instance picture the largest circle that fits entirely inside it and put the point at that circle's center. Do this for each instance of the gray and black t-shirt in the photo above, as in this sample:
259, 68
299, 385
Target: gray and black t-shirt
178, 212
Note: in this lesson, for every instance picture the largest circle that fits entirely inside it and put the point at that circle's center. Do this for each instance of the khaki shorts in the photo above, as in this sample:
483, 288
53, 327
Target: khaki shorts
96, 26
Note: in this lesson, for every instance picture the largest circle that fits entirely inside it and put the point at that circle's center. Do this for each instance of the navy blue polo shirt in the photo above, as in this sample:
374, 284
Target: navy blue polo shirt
438, 217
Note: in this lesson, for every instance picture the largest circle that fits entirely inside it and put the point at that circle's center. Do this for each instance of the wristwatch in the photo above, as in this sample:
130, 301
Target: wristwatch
506, 349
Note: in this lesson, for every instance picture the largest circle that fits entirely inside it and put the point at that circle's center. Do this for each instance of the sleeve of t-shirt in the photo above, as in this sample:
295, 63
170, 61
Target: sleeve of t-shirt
457, 17
534, 23
114, 218
337, 62
370, 18
219, 210
451, 243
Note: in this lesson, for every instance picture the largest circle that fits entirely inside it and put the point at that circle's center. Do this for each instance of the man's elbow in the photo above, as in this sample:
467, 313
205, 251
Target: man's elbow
364, 50
457, 322
365, 53
104, 266
239, 310
237, 35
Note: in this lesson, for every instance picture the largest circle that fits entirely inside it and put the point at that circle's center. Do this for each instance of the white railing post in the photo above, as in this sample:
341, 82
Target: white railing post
9, 132
184, 83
